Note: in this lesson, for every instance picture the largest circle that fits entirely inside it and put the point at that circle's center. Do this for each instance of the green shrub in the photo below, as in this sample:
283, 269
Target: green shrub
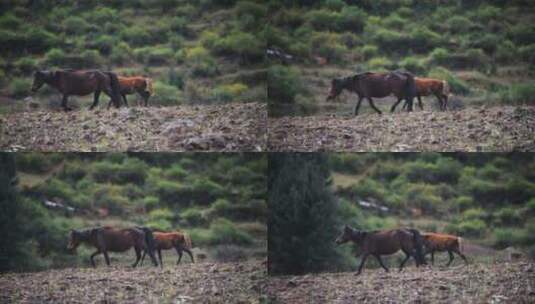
159, 224
369, 51
229, 92
121, 53
166, 95
55, 57
151, 202
26, 65
283, 84
104, 44
168, 192
179, 25
423, 39
391, 41
527, 53
111, 198
194, 217
507, 52
175, 79
506, 217
225, 232
414, 65
132, 170
521, 34
474, 214
329, 46
10, 21
245, 46
136, 36
518, 94
457, 24
56, 188
75, 25
505, 237
380, 63
424, 197
352, 19
464, 202
73, 171
19, 87
161, 214
471, 228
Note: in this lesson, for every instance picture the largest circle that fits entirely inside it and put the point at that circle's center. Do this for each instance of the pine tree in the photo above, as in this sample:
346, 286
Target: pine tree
302, 222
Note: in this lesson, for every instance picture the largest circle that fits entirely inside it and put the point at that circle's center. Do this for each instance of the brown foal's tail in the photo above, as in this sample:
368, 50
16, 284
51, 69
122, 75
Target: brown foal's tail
148, 86
115, 89
460, 244
187, 241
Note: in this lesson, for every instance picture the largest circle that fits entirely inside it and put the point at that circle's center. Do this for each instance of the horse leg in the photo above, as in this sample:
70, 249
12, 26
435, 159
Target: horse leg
160, 257
95, 100
64, 103
433, 257
451, 258
124, 99
364, 257
378, 257
407, 257
356, 112
462, 256
190, 254
146, 96
179, 252
445, 102
143, 257
373, 106
420, 102
396, 104
107, 257
138, 256
91, 258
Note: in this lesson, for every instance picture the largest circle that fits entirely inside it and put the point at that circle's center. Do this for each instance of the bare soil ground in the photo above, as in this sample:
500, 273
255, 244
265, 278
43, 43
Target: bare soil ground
504, 128
187, 283
475, 283
230, 127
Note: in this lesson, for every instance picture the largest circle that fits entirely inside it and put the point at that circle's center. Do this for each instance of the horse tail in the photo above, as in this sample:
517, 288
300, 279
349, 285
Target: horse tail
419, 244
410, 87
445, 88
150, 243
460, 243
187, 241
115, 88
148, 86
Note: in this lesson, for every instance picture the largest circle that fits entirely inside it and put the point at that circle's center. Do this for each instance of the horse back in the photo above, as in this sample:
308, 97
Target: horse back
383, 242
119, 240
81, 82
441, 242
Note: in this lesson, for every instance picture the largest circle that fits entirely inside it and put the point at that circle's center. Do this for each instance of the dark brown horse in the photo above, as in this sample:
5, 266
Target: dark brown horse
386, 242
178, 240
80, 83
367, 85
115, 240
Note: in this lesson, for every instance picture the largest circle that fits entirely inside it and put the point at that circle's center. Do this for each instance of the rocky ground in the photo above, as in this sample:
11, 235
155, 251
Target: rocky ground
187, 283
505, 128
230, 127
476, 283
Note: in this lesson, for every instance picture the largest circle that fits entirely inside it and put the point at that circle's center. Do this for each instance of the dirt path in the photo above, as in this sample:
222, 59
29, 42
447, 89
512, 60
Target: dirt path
473, 129
188, 283
231, 127
476, 283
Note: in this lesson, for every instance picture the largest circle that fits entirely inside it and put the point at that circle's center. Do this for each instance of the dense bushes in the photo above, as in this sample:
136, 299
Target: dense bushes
283, 84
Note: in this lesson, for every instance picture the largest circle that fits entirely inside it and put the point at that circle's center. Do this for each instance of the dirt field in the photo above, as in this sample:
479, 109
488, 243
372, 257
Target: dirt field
188, 283
472, 129
231, 127
476, 283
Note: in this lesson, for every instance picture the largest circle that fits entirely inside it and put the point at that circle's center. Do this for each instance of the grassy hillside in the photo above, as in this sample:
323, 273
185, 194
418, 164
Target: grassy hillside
218, 199
196, 51
487, 198
484, 49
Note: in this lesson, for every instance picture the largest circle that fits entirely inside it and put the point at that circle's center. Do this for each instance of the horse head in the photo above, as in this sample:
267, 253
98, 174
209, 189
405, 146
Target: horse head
348, 234
75, 238
39, 78
337, 86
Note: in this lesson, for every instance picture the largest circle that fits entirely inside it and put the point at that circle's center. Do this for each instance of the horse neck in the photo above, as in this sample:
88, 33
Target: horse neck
52, 80
357, 237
